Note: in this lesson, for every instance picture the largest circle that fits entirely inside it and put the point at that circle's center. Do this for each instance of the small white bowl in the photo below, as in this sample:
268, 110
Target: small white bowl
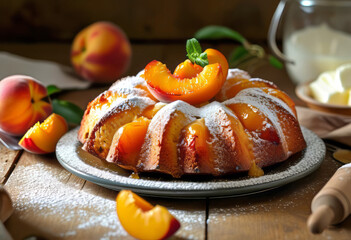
303, 92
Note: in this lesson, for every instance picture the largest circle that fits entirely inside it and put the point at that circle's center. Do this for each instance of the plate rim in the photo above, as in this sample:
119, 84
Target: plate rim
176, 192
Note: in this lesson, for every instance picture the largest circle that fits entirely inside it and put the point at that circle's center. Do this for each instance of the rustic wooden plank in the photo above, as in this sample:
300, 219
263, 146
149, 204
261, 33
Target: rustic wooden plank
8, 159
277, 214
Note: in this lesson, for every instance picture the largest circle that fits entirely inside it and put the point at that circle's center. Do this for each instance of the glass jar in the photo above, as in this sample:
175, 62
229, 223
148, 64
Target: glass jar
316, 36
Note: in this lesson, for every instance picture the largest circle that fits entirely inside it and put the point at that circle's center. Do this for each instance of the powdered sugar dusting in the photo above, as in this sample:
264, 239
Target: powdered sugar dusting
128, 82
257, 98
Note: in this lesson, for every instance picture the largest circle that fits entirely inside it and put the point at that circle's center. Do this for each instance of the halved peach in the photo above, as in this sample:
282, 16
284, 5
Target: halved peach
42, 138
167, 88
127, 142
142, 220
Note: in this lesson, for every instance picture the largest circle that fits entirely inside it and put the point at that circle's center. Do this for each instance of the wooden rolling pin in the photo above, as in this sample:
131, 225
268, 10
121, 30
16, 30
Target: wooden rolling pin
333, 203
6, 210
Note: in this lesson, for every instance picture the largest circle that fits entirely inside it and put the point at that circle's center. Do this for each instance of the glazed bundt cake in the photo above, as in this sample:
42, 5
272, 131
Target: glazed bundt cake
248, 125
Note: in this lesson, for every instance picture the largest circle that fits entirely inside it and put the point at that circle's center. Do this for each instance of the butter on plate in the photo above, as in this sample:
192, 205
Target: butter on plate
333, 87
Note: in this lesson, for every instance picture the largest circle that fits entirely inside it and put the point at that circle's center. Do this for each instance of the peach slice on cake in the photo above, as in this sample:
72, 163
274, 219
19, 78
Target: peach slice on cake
234, 85
42, 138
167, 88
187, 69
194, 81
194, 148
127, 143
142, 220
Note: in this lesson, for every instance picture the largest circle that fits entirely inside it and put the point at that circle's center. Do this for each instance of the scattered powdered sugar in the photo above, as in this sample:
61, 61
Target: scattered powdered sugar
75, 211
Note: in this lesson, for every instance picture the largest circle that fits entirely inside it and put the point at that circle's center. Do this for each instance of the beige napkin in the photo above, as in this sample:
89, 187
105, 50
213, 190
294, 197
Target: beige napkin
49, 73
326, 125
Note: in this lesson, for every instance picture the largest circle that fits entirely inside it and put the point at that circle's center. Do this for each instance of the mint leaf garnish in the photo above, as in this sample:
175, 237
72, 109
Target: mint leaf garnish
195, 54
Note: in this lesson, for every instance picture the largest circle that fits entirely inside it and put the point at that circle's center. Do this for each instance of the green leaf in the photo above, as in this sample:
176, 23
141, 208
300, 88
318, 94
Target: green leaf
71, 112
237, 54
219, 32
52, 89
275, 62
195, 54
193, 46
201, 62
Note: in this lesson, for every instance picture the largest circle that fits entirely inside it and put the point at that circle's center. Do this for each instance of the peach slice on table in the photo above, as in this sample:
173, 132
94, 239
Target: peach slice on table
42, 138
127, 143
142, 220
167, 88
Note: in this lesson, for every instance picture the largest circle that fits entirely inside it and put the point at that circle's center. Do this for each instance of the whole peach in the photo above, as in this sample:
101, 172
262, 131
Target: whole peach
23, 102
101, 52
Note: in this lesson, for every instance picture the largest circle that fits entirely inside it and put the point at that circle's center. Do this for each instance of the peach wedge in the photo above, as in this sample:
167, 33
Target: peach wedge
187, 69
142, 220
167, 88
42, 138
127, 143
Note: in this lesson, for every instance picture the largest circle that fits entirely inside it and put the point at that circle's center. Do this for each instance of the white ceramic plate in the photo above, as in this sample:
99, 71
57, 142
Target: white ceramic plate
88, 167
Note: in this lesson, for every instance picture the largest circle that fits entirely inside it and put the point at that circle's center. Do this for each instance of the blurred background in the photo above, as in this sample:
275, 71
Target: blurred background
176, 20
157, 29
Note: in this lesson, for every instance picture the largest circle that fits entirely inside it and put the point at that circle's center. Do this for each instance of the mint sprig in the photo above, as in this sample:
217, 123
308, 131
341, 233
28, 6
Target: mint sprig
195, 54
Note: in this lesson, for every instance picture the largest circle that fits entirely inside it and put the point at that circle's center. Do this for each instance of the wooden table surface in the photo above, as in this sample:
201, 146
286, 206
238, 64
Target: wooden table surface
52, 203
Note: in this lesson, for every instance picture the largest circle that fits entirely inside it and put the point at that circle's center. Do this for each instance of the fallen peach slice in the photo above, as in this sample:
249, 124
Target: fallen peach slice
42, 138
142, 220
167, 88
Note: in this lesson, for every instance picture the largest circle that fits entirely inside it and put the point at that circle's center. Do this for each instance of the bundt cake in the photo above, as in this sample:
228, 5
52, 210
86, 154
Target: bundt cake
248, 125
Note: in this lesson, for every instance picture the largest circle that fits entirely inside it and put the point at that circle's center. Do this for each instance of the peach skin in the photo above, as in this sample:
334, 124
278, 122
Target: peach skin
101, 52
142, 220
42, 138
23, 102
